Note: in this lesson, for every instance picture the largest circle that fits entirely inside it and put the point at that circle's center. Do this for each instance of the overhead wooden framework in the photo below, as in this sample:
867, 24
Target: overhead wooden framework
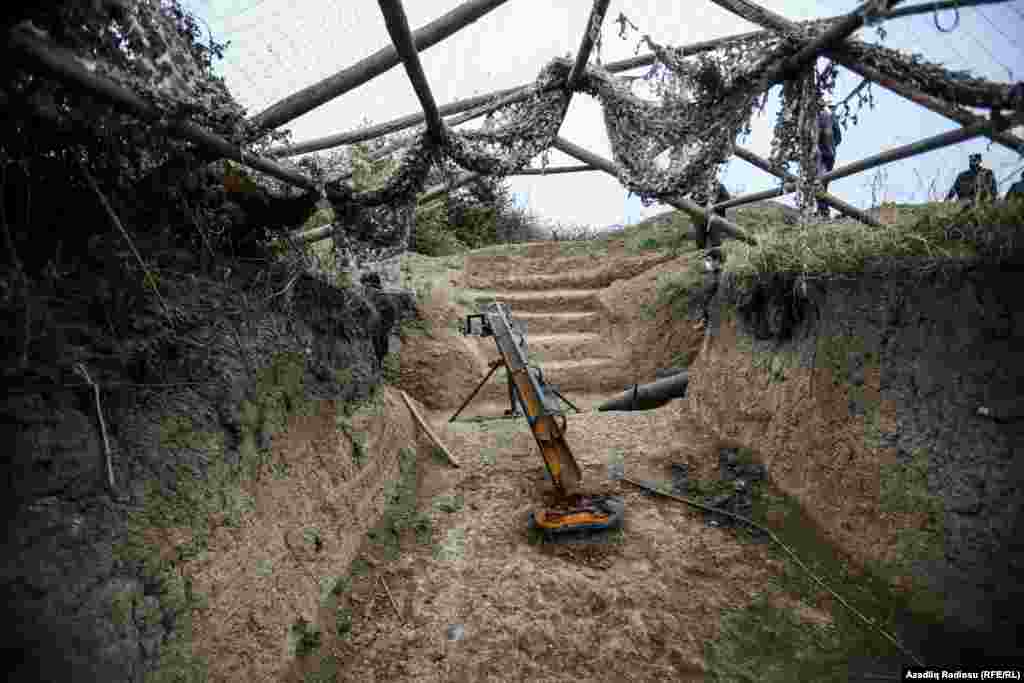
41, 56
309, 98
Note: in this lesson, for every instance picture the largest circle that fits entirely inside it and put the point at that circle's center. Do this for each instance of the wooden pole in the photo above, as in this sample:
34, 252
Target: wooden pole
427, 430
54, 62
307, 99
590, 36
756, 197
554, 170
401, 36
692, 209
393, 126
834, 35
439, 191
920, 147
832, 201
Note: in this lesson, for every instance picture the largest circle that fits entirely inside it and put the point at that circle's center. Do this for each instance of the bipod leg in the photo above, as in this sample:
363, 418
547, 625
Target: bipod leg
558, 393
494, 366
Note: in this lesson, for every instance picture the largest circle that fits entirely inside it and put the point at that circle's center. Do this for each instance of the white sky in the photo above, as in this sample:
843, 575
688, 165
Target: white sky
280, 46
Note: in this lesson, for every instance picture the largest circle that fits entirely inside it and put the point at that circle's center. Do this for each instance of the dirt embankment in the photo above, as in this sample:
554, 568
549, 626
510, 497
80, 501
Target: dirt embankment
892, 410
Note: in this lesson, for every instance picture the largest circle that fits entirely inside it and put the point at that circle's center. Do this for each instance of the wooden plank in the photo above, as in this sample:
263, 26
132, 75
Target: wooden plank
401, 36
427, 430
311, 97
554, 170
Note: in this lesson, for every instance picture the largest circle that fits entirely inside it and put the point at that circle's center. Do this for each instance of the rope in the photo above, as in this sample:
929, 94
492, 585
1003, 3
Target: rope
867, 620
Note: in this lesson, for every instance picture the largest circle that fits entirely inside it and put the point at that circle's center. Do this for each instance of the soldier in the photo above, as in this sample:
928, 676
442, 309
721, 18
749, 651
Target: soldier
974, 184
829, 137
1016, 190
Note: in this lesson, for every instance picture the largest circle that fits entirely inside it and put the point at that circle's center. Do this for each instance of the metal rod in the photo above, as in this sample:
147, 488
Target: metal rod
401, 36
590, 36
494, 368
832, 201
696, 212
311, 97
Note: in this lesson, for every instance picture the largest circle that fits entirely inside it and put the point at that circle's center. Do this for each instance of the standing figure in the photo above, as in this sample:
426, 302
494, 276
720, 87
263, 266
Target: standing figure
977, 183
829, 137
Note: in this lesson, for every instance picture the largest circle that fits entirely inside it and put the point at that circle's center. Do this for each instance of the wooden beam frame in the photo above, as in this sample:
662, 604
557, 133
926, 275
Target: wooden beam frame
554, 170
401, 36
719, 224
311, 97
763, 17
522, 92
832, 201
43, 58
590, 36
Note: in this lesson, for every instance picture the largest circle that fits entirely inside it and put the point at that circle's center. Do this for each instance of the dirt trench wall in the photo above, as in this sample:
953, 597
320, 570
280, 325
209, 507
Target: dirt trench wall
94, 594
892, 409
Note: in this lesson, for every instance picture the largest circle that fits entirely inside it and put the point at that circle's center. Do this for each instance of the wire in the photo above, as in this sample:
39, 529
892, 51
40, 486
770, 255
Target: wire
956, 20
999, 30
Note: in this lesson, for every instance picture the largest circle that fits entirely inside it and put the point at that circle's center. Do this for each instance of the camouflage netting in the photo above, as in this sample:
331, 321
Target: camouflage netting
674, 146
667, 147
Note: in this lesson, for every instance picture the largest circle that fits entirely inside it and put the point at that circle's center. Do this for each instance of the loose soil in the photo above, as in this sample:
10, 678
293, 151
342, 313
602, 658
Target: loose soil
486, 601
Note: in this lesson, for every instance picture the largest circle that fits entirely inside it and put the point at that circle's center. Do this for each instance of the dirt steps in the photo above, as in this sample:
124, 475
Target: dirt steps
541, 301
587, 272
571, 377
561, 323
547, 348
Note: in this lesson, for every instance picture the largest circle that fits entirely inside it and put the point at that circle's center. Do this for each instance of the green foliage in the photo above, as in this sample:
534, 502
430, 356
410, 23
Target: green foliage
927, 239
279, 392
675, 291
448, 503
400, 513
303, 638
453, 547
326, 671
391, 368
766, 643
368, 174
904, 489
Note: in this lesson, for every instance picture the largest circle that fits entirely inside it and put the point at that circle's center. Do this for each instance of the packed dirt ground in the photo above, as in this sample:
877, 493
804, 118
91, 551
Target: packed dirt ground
445, 582
467, 593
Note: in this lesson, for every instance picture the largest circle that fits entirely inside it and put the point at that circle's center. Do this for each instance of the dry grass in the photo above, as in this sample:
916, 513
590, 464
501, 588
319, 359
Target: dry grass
925, 239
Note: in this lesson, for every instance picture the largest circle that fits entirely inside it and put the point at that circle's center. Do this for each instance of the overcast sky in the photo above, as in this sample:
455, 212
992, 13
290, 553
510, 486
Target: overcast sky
280, 46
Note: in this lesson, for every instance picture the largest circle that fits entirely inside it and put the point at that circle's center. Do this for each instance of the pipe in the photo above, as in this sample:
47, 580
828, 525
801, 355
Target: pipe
650, 395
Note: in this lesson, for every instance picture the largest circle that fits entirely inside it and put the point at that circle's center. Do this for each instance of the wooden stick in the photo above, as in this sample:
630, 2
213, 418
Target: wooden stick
391, 598
554, 170
51, 61
307, 99
590, 36
831, 200
929, 144
834, 35
401, 36
107, 456
763, 17
426, 428
439, 191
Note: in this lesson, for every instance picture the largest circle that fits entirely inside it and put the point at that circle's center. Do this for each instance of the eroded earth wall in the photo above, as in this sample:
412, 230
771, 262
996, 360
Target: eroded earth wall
892, 409
92, 592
